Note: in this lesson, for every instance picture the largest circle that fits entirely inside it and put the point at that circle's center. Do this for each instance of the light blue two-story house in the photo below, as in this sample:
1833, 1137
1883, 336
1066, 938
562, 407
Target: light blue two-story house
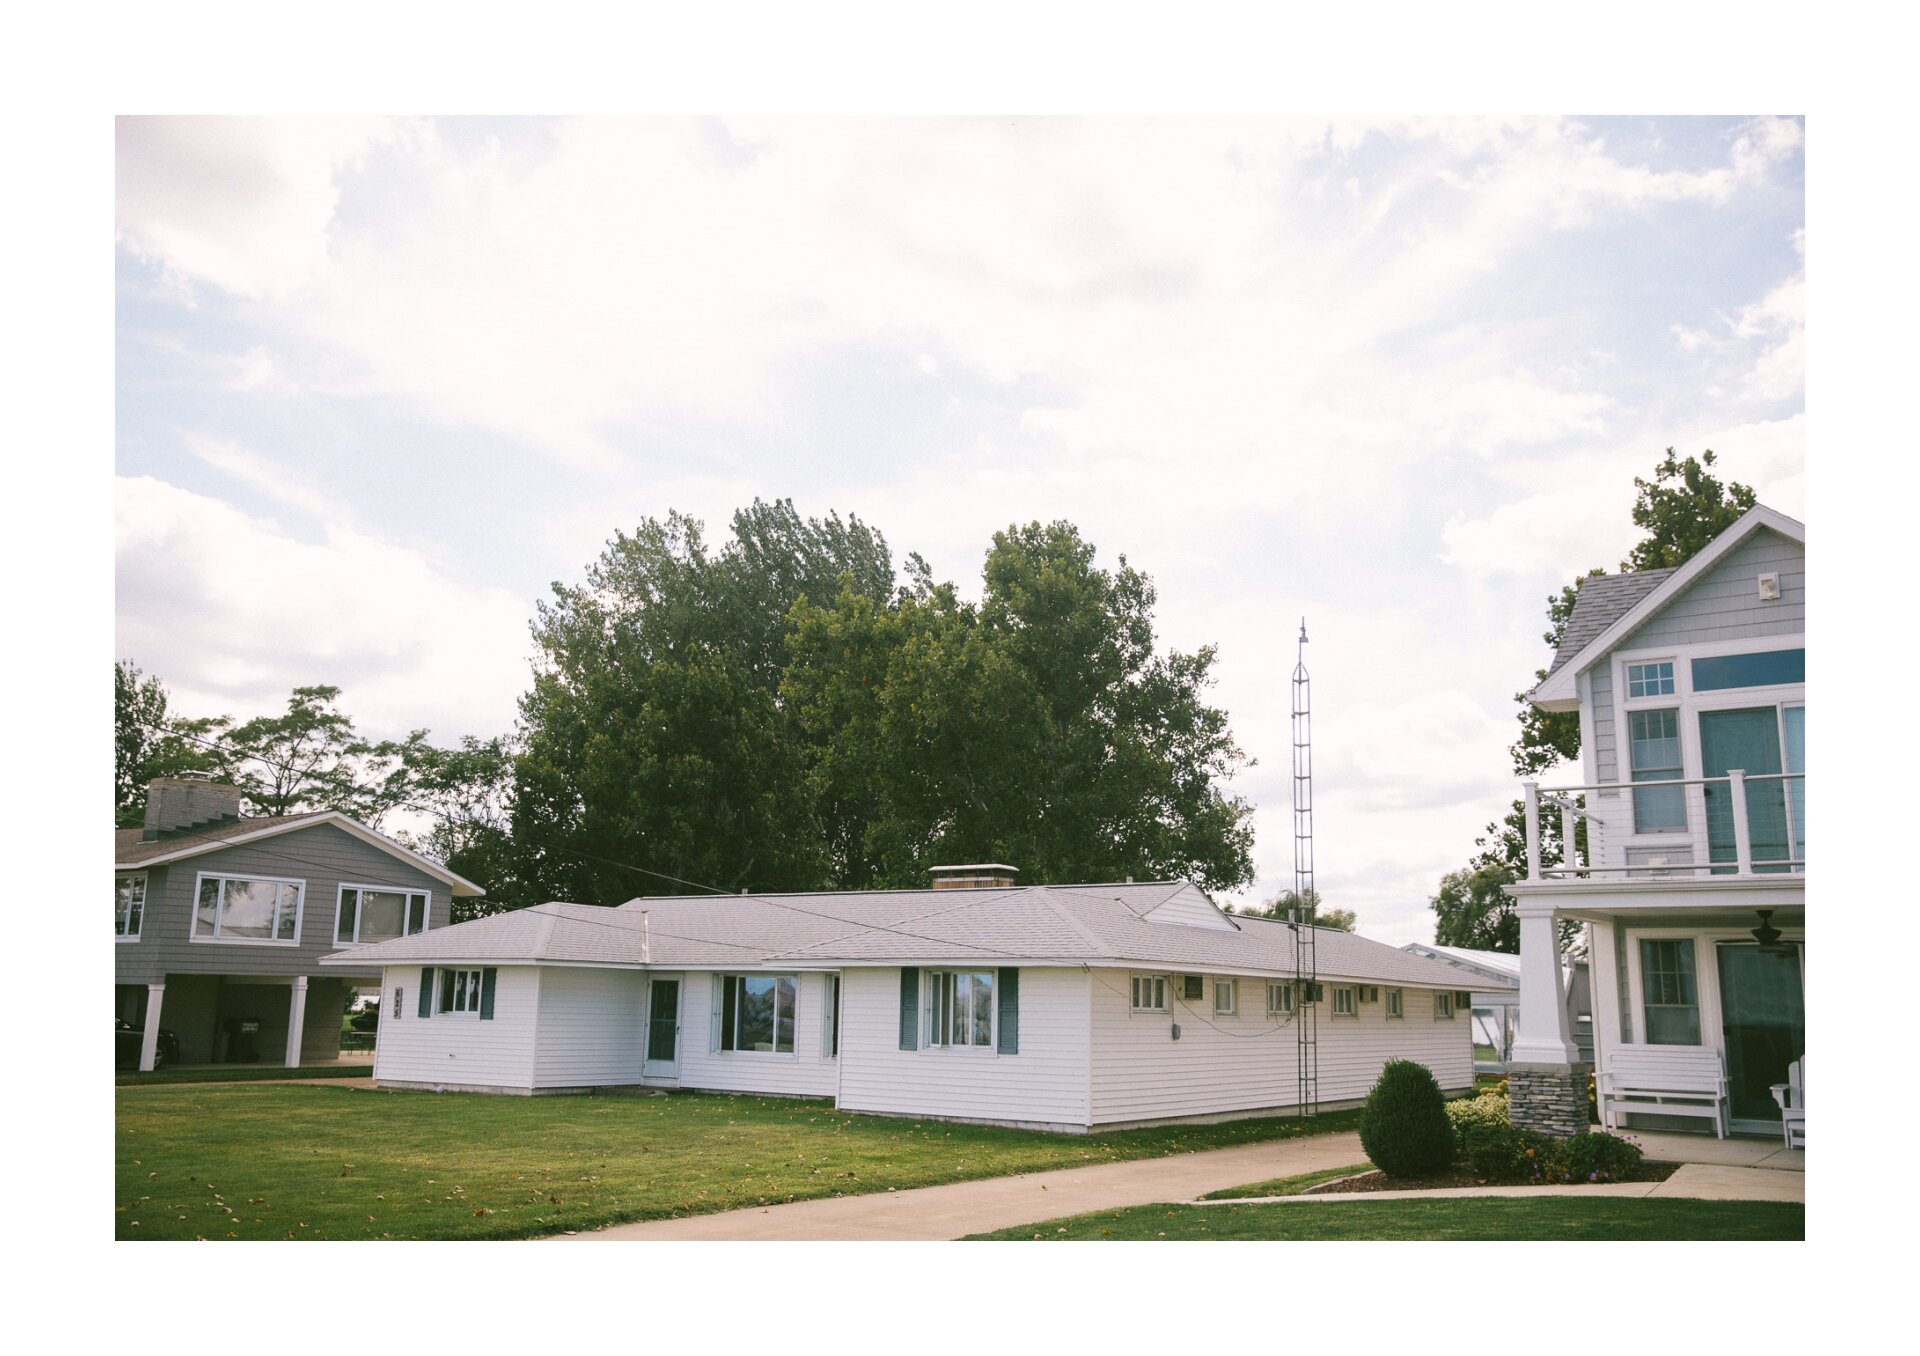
1690, 823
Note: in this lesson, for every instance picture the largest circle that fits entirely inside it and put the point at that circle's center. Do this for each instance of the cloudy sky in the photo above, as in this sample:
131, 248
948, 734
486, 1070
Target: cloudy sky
381, 382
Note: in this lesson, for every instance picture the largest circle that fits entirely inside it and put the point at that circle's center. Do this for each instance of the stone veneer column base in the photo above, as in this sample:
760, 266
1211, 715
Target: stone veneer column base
1549, 1098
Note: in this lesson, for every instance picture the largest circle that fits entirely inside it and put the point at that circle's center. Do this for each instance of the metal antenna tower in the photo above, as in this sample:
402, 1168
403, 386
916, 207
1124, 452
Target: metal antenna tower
1305, 963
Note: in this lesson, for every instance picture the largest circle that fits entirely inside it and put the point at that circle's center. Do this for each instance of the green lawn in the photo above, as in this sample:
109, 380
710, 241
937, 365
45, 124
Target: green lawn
1286, 1186
1522, 1218
240, 1073
282, 1161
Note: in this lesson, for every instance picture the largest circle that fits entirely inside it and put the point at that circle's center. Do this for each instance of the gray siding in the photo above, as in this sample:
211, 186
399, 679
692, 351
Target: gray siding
1606, 745
1723, 604
323, 856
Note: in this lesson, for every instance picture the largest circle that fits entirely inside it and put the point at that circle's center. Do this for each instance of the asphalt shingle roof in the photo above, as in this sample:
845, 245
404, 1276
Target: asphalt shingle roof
129, 849
1603, 600
1091, 924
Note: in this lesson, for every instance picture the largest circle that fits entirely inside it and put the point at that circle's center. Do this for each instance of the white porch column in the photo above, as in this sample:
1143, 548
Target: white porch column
296, 1020
150, 1037
1543, 1037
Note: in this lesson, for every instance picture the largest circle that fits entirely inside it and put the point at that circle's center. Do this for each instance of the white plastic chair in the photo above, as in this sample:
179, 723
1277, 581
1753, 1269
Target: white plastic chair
1792, 1097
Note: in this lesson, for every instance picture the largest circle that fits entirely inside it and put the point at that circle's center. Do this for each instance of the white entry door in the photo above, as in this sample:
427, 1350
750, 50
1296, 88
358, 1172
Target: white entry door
663, 1027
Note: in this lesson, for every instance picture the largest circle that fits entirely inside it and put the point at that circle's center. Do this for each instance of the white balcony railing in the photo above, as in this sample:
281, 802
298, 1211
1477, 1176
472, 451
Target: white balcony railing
1739, 825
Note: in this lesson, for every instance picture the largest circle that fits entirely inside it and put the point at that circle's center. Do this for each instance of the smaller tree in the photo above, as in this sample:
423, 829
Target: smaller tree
1404, 1127
149, 742
1283, 905
311, 758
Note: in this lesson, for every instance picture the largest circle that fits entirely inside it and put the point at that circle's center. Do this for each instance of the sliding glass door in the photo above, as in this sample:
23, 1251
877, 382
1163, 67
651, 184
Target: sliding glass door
1750, 739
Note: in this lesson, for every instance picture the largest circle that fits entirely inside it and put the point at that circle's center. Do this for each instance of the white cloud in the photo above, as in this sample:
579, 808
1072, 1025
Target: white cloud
232, 613
1158, 273
243, 203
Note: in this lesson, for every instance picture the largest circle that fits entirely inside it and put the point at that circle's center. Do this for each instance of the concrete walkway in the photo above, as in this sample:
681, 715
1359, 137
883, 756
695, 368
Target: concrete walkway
1712, 1170
946, 1212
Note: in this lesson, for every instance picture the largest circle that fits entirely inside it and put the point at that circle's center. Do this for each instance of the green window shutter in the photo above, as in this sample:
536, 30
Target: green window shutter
486, 993
1009, 986
426, 992
909, 1008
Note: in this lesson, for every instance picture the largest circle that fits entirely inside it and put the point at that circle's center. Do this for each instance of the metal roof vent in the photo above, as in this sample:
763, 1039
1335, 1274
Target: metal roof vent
978, 876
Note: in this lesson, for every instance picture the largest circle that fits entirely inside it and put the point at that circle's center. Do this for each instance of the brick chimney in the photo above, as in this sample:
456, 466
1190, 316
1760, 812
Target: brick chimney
193, 801
980, 876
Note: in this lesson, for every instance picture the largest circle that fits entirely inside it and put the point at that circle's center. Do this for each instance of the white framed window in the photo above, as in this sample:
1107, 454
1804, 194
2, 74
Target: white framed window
1443, 1006
1670, 991
1149, 993
1226, 997
1652, 679
756, 1012
376, 913
252, 910
830, 1019
129, 902
1653, 751
960, 1008
1343, 1002
459, 992
1279, 999
1393, 1005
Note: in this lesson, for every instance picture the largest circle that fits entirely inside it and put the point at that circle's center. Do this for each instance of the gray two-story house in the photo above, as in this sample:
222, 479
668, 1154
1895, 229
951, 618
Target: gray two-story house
1690, 827
220, 921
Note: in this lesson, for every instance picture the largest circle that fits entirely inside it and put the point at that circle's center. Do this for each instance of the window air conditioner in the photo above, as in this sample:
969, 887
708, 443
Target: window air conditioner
1193, 988
1369, 993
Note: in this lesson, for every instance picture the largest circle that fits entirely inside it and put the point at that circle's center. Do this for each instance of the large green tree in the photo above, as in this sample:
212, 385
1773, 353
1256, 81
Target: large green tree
1283, 904
1682, 508
781, 714
1040, 727
655, 735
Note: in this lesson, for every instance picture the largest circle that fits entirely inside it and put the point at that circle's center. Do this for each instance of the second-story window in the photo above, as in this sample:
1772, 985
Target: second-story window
260, 910
1650, 680
370, 915
1654, 750
129, 899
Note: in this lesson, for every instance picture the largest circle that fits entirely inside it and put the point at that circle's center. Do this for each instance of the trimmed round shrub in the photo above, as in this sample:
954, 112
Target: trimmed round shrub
1597, 1156
1404, 1126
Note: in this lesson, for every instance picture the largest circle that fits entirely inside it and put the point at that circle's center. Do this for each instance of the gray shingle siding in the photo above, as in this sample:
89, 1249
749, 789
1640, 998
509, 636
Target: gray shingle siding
323, 856
1723, 604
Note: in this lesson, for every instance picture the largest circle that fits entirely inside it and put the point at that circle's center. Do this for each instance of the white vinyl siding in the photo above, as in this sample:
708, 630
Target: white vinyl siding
591, 1026
442, 1051
801, 1072
1044, 1084
1141, 1073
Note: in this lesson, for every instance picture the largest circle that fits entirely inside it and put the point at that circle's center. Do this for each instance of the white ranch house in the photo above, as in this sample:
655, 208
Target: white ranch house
1691, 689
1060, 1007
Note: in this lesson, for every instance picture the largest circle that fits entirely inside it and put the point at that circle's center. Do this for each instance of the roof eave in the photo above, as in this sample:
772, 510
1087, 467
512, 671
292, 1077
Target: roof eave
1560, 690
